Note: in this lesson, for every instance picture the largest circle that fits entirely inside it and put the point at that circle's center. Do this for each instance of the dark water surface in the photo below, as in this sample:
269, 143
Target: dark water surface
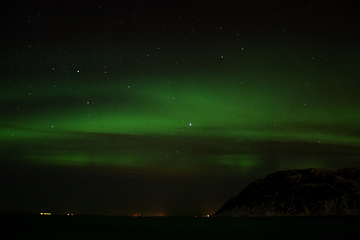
95, 227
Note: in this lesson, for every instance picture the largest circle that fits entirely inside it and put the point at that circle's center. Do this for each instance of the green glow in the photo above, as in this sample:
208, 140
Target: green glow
158, 118
241, 162
77, 160
172, 108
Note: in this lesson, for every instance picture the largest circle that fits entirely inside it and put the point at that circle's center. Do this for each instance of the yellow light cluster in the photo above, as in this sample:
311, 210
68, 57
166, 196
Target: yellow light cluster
45, 213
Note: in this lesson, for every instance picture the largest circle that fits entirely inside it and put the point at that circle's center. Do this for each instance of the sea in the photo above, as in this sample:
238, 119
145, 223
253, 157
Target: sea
116, 227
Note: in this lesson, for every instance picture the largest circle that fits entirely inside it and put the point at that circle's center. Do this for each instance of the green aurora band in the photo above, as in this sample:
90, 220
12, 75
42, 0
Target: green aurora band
189, 122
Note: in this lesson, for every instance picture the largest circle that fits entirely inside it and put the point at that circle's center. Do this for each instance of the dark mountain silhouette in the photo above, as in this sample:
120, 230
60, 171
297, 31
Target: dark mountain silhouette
307, 192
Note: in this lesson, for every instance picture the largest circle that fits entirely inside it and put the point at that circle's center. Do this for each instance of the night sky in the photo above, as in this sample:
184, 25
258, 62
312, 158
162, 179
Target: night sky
171, 107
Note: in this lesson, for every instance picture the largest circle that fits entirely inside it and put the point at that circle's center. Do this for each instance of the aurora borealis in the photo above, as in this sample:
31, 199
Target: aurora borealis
120, 109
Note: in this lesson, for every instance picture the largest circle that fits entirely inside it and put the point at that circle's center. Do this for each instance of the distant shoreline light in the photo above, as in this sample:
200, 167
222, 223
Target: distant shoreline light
45, 214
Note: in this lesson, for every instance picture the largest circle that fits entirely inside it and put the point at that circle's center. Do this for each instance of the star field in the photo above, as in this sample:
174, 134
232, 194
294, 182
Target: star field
153, 107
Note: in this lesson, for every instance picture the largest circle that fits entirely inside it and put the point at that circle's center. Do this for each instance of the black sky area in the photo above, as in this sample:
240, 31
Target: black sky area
171, 107
151, 20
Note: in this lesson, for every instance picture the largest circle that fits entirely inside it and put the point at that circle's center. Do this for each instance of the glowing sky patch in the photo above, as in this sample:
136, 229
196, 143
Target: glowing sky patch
158, 110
